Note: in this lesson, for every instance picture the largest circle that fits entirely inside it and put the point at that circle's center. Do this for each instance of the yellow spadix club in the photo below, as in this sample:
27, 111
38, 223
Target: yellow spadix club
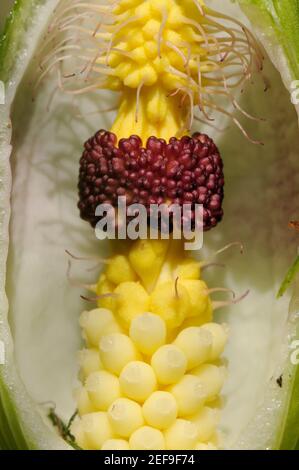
151, 369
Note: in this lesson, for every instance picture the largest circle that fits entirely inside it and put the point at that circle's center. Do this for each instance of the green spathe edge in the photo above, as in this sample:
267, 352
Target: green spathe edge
23, 425
281, 18
276, 22
290, 276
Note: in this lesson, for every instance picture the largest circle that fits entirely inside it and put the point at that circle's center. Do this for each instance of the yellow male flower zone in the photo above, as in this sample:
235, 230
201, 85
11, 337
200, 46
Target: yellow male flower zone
163, 56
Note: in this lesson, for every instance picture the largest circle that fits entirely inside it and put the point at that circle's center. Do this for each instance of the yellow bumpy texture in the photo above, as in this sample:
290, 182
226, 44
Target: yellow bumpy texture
155, 59
151, 371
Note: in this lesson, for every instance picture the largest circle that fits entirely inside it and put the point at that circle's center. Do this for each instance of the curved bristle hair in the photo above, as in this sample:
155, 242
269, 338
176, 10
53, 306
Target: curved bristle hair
204, 60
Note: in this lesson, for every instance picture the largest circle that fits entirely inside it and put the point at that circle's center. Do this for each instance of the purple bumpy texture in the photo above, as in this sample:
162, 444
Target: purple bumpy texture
186, 170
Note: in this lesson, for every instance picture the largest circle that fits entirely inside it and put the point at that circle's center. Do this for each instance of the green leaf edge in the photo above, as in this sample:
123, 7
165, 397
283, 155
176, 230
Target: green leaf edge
283, 17
11, 434
289, 278
289, 438
280, 20
10, 40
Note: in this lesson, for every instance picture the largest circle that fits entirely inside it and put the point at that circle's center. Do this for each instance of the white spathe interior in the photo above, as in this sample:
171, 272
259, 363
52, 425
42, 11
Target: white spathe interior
262, 185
